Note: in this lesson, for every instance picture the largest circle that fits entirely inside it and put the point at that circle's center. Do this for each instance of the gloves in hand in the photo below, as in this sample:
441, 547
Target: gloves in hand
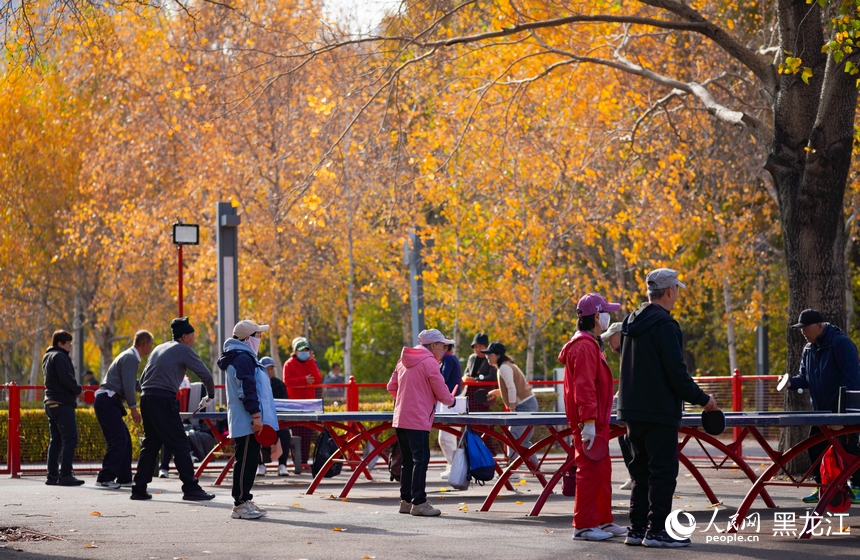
204, 402
588, 435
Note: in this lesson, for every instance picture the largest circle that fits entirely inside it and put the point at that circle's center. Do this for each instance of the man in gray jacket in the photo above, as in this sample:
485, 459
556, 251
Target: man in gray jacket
159, 384
120, 386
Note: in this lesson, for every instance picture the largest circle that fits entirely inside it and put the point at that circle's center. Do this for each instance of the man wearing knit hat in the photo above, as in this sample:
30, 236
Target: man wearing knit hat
159, 384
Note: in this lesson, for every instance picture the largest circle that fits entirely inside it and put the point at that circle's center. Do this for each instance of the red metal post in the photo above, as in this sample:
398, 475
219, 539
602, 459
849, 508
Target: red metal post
737, 403
179, 251
13, 457
352, 395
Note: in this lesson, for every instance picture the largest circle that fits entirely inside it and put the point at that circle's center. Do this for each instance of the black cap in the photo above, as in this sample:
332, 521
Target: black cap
495, 348
808, 317
481, 338
180, 326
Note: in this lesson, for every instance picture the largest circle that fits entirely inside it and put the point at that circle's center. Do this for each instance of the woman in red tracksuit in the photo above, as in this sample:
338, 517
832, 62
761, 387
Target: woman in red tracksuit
300, 371
588, 391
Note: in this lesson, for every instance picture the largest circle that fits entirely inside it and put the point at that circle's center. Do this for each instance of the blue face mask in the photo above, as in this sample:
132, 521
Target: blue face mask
303, 356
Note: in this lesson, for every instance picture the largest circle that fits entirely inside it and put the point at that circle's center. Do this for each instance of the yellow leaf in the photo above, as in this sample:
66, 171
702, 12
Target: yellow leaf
518, 503
730, 24
95, 513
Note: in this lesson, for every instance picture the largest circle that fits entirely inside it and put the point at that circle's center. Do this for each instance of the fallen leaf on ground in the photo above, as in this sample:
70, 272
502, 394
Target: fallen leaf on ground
95, 513
464, 508
91, 545
548, 531
344, 499
519, 503
441, 497
443, 489
296, 504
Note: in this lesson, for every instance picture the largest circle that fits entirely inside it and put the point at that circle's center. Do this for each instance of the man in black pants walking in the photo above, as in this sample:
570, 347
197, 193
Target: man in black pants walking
119, 387
159, 384
653, 385
61, 392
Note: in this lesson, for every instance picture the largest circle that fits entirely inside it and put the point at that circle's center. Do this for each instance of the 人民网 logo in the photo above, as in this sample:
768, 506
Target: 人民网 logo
676, 529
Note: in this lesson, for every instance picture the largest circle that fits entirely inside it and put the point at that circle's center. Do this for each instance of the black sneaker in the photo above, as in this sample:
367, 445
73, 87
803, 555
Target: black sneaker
52, 480
663, 540
634, 537
197, 496
69, 480
140, 493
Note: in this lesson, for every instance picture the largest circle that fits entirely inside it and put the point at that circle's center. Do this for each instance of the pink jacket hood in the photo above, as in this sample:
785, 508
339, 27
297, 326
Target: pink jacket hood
417, 385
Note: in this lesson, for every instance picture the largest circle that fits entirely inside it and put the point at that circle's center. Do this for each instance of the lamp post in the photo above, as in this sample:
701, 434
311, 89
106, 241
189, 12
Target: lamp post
184, 234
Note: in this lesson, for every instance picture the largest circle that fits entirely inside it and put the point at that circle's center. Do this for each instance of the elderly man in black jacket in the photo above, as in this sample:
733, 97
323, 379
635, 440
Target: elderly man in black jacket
61, 392
653, 385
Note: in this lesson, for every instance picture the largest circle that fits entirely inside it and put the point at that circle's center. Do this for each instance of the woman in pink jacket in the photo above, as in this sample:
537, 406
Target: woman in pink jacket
416, 386
588, 390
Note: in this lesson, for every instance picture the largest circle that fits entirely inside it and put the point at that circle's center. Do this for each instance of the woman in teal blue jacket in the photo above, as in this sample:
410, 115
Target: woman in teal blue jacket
250, 406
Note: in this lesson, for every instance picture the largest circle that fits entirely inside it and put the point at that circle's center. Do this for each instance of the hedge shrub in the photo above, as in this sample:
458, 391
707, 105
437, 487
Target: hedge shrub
35, 436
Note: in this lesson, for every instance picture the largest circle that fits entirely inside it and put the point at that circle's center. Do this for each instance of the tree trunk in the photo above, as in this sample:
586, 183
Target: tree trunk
729, 305
809, 163
849, 293
38, 336
273, 341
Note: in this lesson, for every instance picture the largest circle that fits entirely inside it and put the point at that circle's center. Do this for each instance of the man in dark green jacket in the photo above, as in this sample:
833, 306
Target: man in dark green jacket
61, 392
654, 383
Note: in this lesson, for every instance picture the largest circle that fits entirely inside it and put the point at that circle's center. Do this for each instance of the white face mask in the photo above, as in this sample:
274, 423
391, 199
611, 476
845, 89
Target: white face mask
603, 321
254, 343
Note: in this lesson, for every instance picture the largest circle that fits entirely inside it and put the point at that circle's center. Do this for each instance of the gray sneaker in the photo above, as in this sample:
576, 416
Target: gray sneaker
405, 507
425, 510
107, 484
256, 507
246, 510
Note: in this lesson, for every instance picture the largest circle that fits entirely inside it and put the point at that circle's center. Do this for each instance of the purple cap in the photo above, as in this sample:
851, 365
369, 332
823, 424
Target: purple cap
591, 304
432, 335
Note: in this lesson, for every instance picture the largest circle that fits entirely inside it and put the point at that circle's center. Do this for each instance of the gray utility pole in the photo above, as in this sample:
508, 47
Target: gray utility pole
228, 272
412, 257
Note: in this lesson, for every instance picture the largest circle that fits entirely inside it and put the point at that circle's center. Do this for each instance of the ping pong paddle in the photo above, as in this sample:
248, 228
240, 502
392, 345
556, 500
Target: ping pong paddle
782, 383
267, 436
481, 396
599, 449
714, 422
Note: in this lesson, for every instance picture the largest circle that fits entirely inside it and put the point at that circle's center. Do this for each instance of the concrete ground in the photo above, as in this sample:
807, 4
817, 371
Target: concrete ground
96, 523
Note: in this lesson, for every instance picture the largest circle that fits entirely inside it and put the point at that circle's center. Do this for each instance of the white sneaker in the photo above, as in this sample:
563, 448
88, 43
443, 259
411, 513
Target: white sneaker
591, 534
261, 471
444, 475
257, 508
615, 530
627, 485
163, 473
283, 471
246, 511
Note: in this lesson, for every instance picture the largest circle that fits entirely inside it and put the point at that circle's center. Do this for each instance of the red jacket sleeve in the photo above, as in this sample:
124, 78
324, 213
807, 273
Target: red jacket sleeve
294, 376
581, 366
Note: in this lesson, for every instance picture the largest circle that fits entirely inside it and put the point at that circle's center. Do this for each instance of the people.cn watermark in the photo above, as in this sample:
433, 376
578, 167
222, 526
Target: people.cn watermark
785, 524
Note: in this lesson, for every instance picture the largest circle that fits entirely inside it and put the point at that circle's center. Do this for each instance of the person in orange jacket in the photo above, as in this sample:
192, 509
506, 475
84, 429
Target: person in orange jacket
300, 371
588, 391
